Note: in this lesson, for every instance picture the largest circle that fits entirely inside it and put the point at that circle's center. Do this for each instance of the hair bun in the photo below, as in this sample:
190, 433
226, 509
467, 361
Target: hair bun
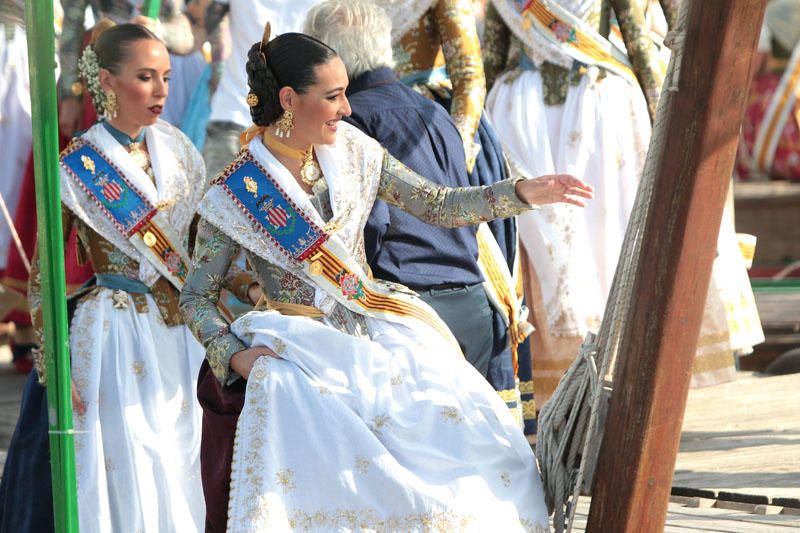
263, 84
101, 26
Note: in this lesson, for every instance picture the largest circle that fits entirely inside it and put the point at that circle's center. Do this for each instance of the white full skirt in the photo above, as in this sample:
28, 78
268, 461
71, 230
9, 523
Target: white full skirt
600, 135
138, 445
397, 433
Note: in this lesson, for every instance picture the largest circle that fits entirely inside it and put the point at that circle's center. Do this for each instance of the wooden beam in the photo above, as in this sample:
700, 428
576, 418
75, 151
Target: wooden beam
642, 433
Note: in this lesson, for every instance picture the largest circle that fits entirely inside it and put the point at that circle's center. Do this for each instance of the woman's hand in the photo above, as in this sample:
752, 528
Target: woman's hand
242, 362
77, 404
554, 188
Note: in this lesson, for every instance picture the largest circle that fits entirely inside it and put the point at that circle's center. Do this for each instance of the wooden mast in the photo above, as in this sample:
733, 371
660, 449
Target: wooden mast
642, 432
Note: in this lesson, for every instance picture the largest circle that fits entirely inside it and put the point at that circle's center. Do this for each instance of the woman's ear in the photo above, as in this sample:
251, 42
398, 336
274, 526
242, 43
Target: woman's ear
105, 78
287, 97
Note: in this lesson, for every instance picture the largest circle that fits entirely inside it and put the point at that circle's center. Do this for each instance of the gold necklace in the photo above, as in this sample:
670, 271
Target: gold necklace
310, 171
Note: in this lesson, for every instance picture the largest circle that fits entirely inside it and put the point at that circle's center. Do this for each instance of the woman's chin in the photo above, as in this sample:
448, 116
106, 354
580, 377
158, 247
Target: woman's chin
329, 138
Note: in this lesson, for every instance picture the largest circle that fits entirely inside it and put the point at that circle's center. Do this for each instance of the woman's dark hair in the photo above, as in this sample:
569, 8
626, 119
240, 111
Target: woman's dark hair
112, 44
288, 60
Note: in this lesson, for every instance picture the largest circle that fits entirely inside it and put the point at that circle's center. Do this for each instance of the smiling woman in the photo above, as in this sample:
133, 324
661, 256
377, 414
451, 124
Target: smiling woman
348, 422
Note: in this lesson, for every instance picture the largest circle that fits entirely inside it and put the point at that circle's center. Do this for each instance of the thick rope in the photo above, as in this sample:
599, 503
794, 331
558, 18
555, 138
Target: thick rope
571, 422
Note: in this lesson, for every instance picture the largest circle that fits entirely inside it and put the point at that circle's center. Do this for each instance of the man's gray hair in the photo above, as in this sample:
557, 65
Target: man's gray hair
359, 31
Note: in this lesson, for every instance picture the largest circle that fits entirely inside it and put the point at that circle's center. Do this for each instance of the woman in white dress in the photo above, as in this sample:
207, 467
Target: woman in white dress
130, 185
365, 415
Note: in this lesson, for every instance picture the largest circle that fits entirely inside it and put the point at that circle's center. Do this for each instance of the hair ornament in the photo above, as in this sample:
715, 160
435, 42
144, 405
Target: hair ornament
265, 40
89, 70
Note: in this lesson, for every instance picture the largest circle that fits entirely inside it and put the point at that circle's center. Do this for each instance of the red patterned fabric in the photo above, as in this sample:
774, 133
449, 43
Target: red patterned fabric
786, 164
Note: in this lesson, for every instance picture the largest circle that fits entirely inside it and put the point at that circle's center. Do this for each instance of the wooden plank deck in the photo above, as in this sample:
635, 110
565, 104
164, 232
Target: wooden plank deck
682, 519
743, 438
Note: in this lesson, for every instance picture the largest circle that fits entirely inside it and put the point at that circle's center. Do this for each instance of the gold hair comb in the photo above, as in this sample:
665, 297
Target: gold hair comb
265, 40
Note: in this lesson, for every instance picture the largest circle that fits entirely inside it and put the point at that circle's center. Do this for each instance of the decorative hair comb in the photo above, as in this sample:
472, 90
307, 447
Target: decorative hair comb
265, 40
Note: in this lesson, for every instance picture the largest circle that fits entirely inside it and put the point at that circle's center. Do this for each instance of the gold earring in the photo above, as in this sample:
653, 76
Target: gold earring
284, 125
111, 105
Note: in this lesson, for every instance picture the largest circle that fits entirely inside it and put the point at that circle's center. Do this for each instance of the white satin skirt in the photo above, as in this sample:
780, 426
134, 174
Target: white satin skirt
396, 433
138, 445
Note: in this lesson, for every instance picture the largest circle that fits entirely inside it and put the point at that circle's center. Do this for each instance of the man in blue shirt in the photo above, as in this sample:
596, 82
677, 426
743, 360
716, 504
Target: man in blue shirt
440, 264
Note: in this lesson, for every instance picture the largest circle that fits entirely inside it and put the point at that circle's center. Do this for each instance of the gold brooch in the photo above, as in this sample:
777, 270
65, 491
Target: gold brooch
252, 99
315, 268
251, 185
88, 163
149, 239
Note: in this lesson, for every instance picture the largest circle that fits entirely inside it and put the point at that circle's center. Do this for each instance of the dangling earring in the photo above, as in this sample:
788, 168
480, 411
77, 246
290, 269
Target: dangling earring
284, 125
111, 105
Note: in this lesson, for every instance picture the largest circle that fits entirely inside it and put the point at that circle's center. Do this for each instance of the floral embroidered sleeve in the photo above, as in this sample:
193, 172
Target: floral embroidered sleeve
462, 52
213, 254
641, 49
35, 298
447, 206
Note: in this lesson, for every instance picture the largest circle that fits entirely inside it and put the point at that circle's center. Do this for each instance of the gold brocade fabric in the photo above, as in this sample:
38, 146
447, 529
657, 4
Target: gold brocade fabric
447, 36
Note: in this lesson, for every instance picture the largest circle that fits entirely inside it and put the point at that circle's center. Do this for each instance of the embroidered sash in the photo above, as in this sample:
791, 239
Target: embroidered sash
321, 256
563, 30
127, 209
777, 114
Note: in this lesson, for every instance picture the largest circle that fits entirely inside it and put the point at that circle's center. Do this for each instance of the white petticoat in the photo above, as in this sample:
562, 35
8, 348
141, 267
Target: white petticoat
397, 433
138, 445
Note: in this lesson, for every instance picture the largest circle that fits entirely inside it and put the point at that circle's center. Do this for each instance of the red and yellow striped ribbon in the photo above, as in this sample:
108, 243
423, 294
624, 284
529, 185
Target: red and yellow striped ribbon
333, 268
161, 246
584, 43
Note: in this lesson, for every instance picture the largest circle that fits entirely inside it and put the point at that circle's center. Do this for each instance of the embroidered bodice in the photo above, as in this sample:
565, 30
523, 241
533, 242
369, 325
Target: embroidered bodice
109, 252
506, 51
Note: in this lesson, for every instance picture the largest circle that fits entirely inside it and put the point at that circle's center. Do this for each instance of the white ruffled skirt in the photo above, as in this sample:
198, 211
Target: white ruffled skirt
397, 433
138, 445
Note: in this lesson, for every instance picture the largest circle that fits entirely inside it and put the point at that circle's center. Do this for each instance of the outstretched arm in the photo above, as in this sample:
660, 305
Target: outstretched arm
463, 206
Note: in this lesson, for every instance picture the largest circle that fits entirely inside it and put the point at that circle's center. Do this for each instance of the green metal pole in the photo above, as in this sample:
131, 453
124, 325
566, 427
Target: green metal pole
41, 56
151, 8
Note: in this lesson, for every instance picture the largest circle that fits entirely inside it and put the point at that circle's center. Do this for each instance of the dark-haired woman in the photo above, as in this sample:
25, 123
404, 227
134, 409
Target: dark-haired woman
130, 185
366, 415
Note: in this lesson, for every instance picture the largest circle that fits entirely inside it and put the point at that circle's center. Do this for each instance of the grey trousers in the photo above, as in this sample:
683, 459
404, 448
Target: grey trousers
468, 313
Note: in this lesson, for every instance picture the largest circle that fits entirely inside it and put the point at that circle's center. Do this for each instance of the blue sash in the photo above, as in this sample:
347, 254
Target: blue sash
127, 209
330, 265
266, 203
124, 205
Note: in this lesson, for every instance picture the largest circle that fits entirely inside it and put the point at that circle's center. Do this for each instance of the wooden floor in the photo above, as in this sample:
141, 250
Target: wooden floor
743, 438
739, 458
682, 519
